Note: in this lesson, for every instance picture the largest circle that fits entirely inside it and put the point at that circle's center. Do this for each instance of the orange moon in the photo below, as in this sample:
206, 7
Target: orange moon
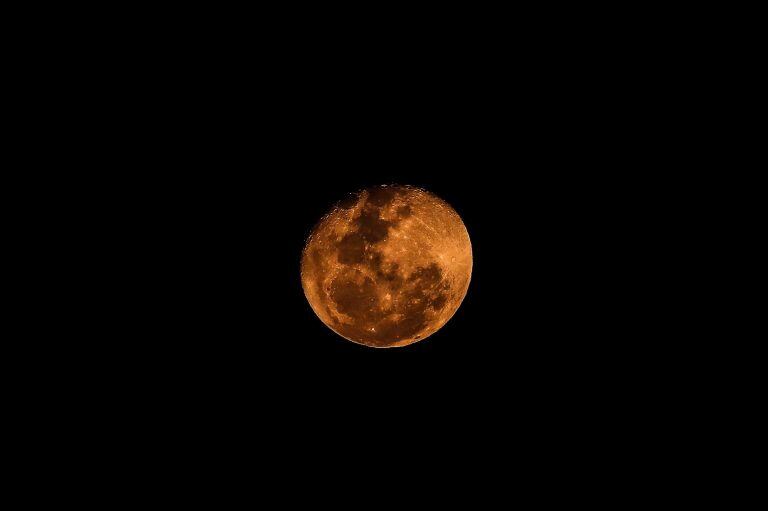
387, 267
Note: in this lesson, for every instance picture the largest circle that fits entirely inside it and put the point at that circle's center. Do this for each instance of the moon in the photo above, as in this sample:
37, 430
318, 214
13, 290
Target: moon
387, 267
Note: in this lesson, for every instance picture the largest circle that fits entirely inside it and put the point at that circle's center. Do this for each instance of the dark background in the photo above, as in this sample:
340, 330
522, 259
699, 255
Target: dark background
201, 152
556, 340
554, 157
551, 306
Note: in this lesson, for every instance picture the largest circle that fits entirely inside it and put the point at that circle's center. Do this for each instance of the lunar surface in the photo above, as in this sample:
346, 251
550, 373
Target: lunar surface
387, 267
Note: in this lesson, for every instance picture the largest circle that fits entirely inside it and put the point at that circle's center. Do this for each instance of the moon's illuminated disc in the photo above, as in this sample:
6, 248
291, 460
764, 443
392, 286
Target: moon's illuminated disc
388, 267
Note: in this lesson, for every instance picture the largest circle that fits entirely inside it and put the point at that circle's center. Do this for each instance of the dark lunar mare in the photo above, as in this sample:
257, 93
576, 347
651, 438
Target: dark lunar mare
356, 295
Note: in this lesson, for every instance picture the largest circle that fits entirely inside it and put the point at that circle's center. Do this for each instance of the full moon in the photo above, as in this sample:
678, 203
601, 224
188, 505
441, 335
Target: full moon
387, 267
